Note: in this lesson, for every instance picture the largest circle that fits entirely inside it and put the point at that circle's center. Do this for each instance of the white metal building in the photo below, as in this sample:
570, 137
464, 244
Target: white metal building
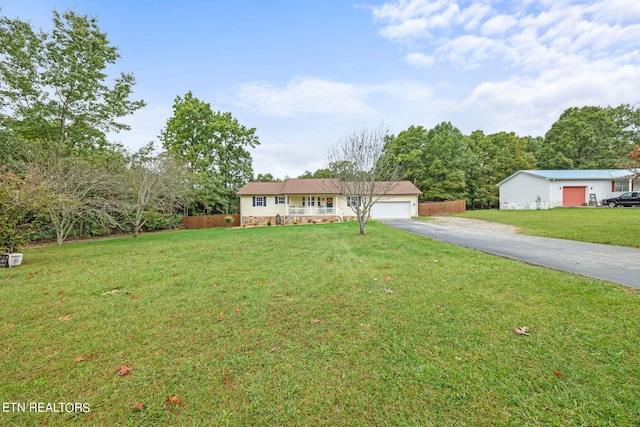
547, 189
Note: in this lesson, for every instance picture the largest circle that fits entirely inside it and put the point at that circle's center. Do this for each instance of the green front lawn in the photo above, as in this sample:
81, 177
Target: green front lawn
312, 325
614, 226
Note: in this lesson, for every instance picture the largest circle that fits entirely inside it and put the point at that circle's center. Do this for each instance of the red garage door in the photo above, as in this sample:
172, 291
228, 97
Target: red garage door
574, 196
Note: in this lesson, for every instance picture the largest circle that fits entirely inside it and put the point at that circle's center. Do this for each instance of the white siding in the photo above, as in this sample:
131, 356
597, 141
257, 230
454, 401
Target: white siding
272, 209
525, 192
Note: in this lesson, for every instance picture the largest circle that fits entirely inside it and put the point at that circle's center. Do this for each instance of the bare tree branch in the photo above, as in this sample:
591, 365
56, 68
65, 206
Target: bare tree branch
364, 173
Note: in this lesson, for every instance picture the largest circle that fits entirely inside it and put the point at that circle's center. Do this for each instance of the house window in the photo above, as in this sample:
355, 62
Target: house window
259, 200
281, 200
354, 201
621, 185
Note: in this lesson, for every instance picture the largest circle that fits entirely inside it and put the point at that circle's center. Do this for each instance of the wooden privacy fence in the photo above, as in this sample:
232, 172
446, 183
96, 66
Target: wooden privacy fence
209, 221
442, 208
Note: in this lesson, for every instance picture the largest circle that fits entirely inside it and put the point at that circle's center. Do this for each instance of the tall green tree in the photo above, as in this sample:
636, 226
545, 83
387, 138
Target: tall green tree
590, 137
491, 158
433, 159
408, 149
214, 145
444, 158
54, 87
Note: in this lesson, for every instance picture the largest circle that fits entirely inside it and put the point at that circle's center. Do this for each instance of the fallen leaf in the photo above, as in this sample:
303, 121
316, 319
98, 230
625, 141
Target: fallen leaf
133, 296
521, 331
238, 310
387, 278
174, 274
138, 407
80, 359
557, 373
64, 318
221, 316
226, 375
278, 295
314, 321
388, 291
435, 260
111, 292
60, 292
172, 400
123, 370
260, 282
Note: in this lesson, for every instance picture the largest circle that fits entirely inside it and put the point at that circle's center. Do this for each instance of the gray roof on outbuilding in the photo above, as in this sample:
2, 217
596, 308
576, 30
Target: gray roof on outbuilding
554, 174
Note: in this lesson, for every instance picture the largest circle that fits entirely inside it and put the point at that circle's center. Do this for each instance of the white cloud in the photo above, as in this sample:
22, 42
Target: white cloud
407, 29
302, 96
535, 35
498, 25
469, 52
618, 11
420, 60
416, 19
530, 105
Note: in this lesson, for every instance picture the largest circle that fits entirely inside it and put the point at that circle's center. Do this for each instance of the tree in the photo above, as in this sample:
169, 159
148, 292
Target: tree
267, 177
76, 190
21, 198
444, 161
214, 146
408, 149
433, 160
151, 182
586, 138
491, 158
53, 87
363, 173
320, 173
634, 156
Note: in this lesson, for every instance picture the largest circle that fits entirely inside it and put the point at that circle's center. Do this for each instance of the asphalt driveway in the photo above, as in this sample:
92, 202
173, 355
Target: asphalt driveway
612, 263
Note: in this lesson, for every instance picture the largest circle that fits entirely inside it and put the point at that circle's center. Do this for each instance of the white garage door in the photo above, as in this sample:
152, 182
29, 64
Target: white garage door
386, 210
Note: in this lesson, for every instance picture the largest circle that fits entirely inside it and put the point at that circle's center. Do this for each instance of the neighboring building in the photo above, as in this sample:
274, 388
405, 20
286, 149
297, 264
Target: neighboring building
547, 189
317, 200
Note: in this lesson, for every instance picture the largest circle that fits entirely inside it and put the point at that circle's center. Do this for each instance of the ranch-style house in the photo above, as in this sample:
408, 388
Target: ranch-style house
297, 201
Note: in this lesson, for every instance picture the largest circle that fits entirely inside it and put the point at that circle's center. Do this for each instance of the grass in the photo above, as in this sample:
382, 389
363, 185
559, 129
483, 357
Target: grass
312, 325
620, 226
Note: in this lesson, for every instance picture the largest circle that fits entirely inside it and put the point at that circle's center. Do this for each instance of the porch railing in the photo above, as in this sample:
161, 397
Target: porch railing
313, 211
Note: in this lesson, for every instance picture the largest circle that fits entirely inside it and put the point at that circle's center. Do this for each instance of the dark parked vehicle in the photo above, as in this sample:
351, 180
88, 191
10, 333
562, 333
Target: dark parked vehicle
631, 198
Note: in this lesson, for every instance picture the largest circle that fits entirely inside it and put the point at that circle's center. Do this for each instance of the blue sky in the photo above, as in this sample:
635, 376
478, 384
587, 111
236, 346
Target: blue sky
307, 73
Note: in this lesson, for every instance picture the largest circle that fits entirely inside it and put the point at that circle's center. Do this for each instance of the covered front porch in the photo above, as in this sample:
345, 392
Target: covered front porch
312, 205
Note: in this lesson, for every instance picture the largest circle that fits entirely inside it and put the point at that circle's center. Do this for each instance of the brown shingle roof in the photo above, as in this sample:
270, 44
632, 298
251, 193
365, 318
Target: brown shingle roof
316, 186
261, 188
310, 186
399, 187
